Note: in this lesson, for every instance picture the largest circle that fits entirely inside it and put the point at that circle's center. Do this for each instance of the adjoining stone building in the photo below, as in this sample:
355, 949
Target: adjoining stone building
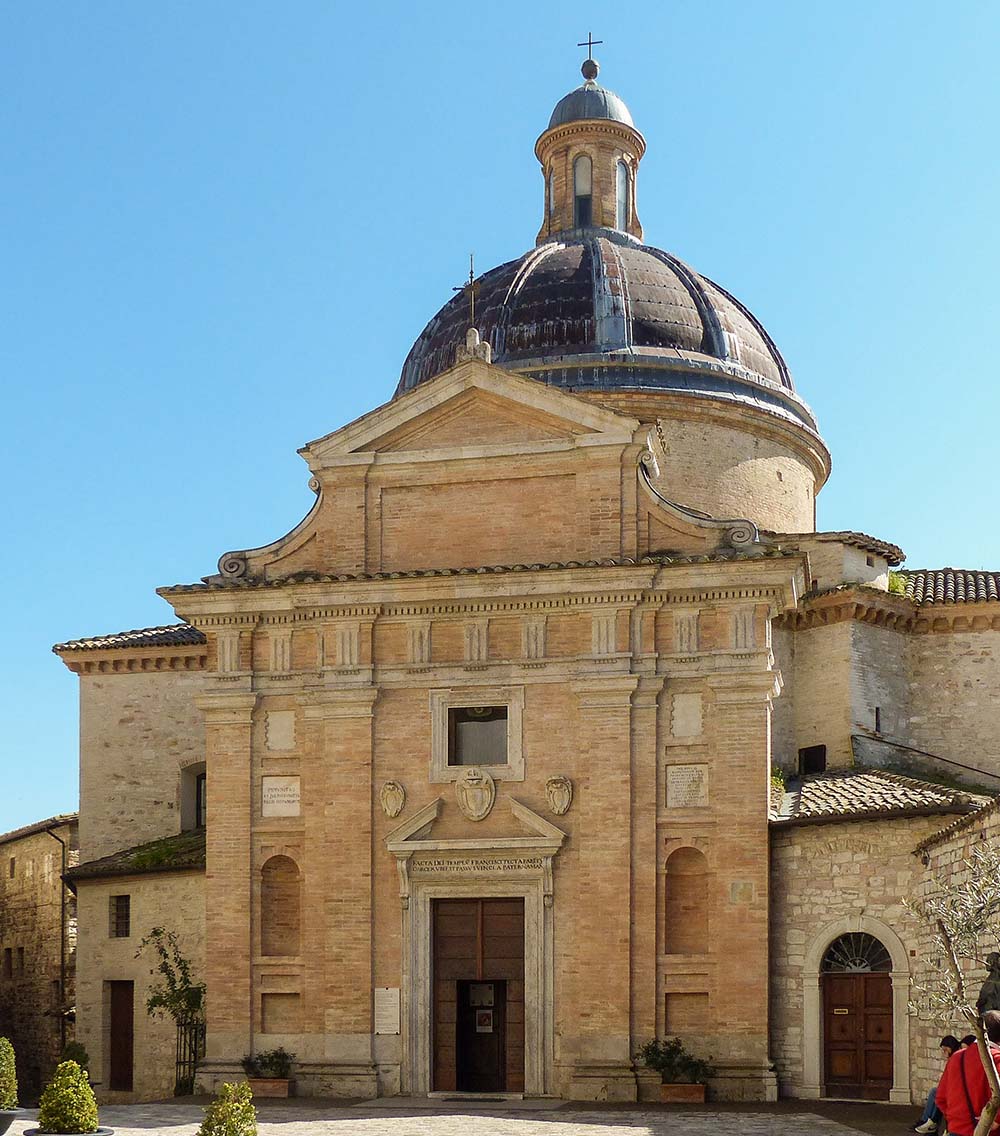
38, 924
481, 751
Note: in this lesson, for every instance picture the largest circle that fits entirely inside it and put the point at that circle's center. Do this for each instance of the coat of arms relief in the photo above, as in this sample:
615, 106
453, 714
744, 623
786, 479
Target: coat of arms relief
475, 791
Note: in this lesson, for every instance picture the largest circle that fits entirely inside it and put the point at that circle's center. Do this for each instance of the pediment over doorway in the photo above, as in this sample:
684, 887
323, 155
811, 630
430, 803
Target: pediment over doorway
419, 855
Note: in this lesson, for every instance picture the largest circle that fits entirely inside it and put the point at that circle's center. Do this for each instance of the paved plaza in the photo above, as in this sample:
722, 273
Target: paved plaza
425, 1118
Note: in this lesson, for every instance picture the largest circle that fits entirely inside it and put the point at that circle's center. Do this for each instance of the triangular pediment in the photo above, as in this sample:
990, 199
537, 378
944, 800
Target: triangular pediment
475, 405
416, 833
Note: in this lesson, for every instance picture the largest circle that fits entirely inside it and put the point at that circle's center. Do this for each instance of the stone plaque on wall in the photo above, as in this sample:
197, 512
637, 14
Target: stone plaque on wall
280, 728
685, 717
279, 797
687, 786
387, 1009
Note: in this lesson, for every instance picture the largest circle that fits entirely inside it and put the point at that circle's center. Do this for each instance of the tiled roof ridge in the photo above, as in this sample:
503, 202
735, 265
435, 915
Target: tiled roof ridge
56, 821
892, 552
957, 826
167, 635
218, 583
951, 585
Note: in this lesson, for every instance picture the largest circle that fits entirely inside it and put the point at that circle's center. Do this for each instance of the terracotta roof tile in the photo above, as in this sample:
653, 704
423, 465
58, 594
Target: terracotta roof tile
951, 585
892, 552
184, 852
721, 556
175, 635
868, 793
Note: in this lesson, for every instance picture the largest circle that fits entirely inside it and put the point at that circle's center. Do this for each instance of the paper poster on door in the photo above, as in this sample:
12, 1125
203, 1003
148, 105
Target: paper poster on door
484, 1021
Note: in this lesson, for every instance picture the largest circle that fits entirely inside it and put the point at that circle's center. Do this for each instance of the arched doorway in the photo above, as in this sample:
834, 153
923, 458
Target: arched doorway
855, 976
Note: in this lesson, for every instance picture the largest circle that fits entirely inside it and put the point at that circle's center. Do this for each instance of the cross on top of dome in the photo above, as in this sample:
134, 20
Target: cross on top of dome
590, 67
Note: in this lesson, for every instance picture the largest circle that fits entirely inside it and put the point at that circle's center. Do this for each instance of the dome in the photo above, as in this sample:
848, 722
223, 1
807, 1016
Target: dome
588, 102
597, 310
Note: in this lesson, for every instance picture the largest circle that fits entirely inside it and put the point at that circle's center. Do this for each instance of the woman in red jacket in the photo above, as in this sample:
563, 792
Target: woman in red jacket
964, 1088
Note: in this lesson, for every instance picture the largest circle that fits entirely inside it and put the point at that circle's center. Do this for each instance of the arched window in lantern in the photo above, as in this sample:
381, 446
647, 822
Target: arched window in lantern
621, 195
582, 192
552, 195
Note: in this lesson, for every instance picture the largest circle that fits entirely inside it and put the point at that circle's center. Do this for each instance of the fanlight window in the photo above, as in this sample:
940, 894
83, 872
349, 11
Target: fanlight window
621, 198
582, 200
855, 953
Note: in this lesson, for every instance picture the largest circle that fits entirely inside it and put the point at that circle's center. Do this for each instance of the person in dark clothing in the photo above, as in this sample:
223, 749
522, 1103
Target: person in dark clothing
964, 1088
930, 1119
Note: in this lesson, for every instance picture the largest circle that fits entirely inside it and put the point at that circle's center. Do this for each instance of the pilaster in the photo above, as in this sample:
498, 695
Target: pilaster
228, 885
596, 1042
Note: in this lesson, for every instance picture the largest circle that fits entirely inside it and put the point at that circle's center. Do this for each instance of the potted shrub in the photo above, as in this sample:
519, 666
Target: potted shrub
269, 1073
231, 1113
9, 1111
68, 1105
683, 1076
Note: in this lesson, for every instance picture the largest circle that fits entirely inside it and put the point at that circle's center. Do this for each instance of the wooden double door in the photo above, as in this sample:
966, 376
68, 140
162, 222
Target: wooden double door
857, 1035
478, 984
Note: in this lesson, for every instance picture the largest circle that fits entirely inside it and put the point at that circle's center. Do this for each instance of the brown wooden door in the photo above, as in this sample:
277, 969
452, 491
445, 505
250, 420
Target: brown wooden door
857, 1033
477, 943
121, 1018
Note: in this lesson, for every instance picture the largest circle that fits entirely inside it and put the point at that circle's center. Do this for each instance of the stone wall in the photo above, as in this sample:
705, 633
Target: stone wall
138, 731
954, 679
173, 900
826, 879
945, 855
37, 949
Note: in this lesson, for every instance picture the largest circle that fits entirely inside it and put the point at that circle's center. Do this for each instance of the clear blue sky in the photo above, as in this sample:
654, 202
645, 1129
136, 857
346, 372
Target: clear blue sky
223, 224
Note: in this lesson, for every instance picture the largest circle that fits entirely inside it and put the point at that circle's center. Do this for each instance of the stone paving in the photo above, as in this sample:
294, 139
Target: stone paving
377, 1119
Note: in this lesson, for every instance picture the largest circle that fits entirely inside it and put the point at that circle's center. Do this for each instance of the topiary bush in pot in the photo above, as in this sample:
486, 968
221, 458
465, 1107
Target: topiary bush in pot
8, 1076
68, 1104
683, 1075
231, 1113
8, 1086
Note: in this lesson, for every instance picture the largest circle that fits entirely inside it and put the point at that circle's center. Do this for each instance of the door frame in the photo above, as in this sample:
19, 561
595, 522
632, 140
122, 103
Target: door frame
812, 1004
417, 979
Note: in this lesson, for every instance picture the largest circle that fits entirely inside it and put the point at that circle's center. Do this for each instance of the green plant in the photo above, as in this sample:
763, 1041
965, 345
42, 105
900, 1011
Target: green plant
74, 1051
271, 1063
777, 778
178, 994
231, 1113
68, 1103
897, 583
673, 1062
8, 1075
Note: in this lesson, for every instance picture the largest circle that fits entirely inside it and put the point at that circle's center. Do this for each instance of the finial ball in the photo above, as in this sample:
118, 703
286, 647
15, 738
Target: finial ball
590, 69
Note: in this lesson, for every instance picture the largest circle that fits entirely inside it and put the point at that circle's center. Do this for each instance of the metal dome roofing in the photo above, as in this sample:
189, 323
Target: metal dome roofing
597, 310
588, 102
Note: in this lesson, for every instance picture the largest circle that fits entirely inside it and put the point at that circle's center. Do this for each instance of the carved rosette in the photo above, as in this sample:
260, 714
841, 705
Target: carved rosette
475, 791
559, 794
392, 798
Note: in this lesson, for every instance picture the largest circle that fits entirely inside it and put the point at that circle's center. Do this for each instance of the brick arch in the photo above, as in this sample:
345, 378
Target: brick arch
686, 894
280, 906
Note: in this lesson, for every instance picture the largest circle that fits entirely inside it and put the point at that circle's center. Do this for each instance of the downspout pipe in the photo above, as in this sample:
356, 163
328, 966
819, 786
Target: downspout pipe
62, 943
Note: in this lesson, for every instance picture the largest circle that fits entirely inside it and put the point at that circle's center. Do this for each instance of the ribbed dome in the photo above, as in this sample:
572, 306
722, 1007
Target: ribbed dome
604, 312
587, 102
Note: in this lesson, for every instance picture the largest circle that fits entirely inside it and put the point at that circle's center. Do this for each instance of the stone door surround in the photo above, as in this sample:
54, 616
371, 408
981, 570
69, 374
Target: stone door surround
513, 867
812, 1028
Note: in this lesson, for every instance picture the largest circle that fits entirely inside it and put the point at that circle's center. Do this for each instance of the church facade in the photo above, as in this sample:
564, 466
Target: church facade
471, 782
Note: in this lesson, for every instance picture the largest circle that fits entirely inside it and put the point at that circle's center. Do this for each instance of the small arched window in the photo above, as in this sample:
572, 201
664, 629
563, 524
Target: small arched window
621, 196
280, 906
856, 953
582, 192
552, 194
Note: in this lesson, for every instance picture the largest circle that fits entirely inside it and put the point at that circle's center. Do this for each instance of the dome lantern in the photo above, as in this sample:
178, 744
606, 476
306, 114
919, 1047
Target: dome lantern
590, 156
